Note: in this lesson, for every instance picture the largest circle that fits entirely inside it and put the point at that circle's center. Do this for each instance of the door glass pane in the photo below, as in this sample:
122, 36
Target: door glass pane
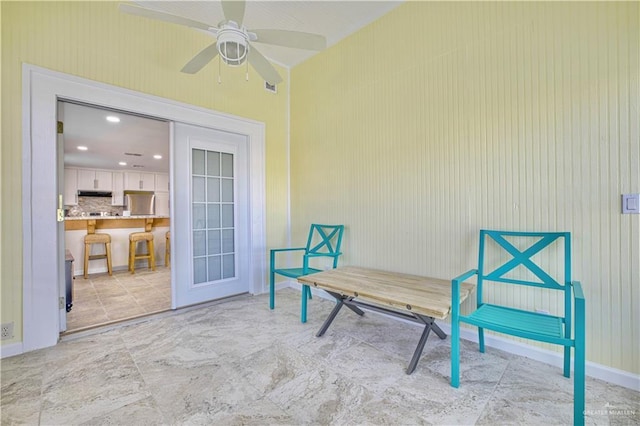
214, 242
199, 243
215, 269
212, 212
227, 241
227, 190
213, 163
213, 215
199, 216
213, 189
199, 194
227, 165
228, 266
199, 270
198, 157
227, 215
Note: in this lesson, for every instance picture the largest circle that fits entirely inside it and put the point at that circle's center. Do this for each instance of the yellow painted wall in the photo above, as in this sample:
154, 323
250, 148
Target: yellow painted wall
95, 41
443, 118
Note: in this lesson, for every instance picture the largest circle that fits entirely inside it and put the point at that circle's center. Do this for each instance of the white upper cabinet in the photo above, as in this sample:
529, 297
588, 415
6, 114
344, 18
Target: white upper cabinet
70, 187
162, 182
162, 203
117, 197
94, 180
139, 181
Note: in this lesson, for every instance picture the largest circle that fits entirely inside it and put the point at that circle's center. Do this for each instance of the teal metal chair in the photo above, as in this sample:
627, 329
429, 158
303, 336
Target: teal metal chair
501, 260
323, 241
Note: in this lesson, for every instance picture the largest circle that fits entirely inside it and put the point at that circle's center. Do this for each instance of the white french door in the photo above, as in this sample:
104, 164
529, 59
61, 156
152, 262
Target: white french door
211, 214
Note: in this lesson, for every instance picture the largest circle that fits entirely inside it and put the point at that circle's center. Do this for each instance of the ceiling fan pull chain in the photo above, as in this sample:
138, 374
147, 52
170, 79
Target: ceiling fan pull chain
247, 74
219, 79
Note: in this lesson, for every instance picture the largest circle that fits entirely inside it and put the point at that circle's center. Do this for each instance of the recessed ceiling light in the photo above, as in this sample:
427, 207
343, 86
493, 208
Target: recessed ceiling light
113, 119
157, 156
83, 148
122, 163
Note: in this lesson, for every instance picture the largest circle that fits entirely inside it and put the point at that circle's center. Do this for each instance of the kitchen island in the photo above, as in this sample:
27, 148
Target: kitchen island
119, 227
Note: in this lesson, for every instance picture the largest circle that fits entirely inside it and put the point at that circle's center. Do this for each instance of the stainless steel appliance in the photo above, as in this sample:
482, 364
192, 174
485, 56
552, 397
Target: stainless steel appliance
68, 278
140, 202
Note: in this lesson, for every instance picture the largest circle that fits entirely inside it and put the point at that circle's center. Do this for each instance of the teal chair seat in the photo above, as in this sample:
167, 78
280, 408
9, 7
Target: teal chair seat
512, 259
295, 272
323, 241
529, 325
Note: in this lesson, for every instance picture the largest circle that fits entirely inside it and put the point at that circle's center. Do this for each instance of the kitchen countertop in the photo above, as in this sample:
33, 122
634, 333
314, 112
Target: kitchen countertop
91, 223
146, 216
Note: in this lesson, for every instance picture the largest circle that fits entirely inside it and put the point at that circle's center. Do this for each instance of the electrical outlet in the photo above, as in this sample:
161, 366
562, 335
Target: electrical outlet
6, 331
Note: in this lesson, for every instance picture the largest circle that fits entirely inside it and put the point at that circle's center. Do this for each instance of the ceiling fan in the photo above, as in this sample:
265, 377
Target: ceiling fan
233, 40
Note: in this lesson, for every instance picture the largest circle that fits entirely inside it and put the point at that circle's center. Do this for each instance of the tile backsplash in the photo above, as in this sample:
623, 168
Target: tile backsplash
88, 205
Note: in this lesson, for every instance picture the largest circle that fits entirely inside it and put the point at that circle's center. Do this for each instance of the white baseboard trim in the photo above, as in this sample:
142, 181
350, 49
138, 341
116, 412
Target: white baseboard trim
592, 369
10, 349
284, 284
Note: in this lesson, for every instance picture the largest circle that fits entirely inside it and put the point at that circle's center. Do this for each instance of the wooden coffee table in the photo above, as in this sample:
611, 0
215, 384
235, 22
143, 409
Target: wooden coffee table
411, 297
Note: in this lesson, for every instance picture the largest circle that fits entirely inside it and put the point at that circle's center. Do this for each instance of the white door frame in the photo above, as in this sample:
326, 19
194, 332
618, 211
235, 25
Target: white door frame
41, 89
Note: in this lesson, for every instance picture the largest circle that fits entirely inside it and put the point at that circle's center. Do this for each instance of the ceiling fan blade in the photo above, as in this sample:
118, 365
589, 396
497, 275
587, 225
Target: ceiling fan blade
263, 66
201, 59
295, 39
234, 10
161, 16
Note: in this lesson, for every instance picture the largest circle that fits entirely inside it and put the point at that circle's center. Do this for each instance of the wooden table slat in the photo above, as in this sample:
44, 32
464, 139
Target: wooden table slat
424, 295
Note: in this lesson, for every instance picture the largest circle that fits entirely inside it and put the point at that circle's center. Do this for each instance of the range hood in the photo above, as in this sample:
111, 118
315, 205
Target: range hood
95, 194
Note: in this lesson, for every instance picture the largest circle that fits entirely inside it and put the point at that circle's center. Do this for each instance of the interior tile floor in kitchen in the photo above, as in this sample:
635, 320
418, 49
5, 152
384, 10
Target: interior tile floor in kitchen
237, 362
102, 299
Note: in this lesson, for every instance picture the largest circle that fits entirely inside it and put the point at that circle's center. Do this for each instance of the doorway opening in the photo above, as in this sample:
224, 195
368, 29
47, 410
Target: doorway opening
106, 154
42, 226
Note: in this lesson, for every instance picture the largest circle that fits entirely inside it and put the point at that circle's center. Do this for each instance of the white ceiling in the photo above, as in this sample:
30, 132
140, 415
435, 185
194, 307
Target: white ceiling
108, 143
334, 19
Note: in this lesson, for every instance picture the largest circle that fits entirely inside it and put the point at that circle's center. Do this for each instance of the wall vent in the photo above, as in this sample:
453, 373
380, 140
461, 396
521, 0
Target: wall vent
270, 87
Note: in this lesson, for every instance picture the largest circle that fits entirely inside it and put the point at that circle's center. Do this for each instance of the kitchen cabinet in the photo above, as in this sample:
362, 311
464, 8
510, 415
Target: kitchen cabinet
94, 180
162, 194
70, 195
162, 182
162, 204
117, 196
135, 181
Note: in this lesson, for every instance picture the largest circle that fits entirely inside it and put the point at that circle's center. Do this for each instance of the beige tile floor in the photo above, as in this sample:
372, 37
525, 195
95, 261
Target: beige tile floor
102, 299
239, 363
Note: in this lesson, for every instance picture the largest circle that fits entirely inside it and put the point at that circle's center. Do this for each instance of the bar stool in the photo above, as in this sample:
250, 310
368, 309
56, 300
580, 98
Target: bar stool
167, 249
97, 239
134, 238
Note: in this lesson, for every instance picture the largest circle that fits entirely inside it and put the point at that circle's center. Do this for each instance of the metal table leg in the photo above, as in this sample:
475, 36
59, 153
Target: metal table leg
429, 324
349, 302
340, 302
330, 318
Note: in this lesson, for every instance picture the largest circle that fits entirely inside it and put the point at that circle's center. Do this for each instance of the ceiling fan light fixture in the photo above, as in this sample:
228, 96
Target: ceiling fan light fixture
232, 45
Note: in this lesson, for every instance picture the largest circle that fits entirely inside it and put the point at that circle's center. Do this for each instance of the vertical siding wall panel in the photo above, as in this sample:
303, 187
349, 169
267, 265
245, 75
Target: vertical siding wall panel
632, 273
461, 116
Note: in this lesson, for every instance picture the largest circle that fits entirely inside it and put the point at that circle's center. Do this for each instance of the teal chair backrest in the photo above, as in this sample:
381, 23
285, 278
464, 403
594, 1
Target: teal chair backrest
325, 240
520, 266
